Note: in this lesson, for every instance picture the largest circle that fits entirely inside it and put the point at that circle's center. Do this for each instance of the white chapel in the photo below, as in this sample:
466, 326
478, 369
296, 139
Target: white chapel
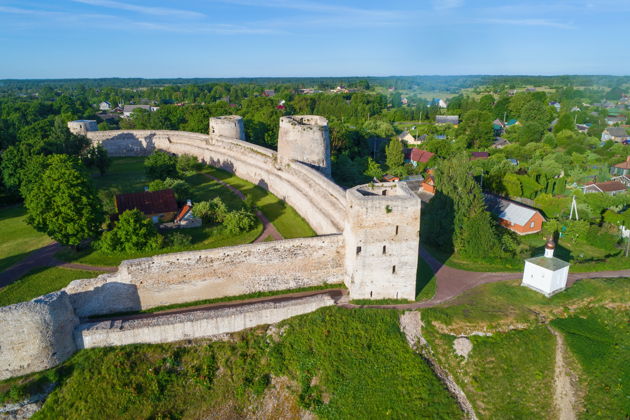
546, 274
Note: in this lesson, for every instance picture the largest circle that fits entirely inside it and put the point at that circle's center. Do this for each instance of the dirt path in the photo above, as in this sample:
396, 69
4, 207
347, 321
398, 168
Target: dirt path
564, 393
44, 257
268, 228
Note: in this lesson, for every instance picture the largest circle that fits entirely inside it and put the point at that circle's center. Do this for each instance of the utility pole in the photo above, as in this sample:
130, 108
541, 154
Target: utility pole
574, 208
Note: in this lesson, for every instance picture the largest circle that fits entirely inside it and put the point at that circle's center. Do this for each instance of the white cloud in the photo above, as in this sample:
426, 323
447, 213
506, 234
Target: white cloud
147, 10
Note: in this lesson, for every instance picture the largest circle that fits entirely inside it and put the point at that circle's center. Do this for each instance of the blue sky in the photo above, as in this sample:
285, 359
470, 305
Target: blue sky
235, 38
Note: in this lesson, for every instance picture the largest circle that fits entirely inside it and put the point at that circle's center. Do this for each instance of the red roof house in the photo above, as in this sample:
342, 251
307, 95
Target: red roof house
157, 205
415, 155
479, 155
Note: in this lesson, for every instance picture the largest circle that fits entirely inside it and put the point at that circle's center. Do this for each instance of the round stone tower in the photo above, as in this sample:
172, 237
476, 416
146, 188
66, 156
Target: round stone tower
382, 237
36, 335
305, 138
81, 127
230, 126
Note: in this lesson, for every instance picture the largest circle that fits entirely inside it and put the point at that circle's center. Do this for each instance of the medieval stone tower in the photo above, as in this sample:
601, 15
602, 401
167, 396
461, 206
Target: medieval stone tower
382, 238
81, 127
305, 138
230, 126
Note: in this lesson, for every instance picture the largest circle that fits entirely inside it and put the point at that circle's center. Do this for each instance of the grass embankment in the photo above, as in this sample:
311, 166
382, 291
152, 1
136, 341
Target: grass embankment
510, 373
17, 238
600, 341
40, 282
127, 175
335, 363
286, 220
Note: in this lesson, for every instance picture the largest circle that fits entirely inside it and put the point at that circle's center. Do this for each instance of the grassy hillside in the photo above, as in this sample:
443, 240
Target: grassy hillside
335, 363
509, 372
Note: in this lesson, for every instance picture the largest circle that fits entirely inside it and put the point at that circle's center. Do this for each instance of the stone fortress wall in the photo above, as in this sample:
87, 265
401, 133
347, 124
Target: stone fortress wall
368, 239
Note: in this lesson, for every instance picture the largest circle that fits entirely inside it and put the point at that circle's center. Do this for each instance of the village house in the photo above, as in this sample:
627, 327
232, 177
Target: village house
582, 128
515, 216
390, 178
555, 105
616, 134
479, 155
185, 217
406, 136
622, 168
447, 119
104, 106
498, 126
269, 93
415, 156
625, 180
128, 109
500, 143
428, 185
611, 120
159, 206
608, 187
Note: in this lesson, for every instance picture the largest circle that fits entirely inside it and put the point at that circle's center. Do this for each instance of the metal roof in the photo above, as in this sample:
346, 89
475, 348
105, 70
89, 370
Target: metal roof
553, 263
507, 210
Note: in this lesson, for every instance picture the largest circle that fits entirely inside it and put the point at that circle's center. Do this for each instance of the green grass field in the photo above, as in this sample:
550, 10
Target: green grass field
17, 238
40, 282
335, 363
288, 222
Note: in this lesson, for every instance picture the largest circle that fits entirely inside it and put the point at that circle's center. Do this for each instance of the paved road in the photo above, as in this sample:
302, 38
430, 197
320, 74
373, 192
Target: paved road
43, 257
268, 228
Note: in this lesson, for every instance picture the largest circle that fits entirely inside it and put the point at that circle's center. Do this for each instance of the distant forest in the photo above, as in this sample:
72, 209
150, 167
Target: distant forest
423, 83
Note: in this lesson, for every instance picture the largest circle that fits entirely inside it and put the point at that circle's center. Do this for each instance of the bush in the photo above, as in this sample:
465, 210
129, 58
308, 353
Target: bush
160, 165
213, 211
187, 164
133, 232
180, 187
239, 221
179, 240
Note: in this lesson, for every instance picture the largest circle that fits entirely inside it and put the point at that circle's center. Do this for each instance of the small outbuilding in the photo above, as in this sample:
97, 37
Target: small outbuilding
546, 274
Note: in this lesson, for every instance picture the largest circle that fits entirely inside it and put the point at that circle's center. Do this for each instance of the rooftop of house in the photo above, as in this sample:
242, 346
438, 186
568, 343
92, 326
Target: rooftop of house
447, 119
184, 211
624, 165
130, 108
553, 263
480, 155
608, 186
418, 155
617, 132
148, 202
505, 209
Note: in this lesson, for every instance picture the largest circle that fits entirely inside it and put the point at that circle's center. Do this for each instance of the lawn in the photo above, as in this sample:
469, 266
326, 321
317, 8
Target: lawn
40, 282
288, 222
335, 363
126, 175
18, 238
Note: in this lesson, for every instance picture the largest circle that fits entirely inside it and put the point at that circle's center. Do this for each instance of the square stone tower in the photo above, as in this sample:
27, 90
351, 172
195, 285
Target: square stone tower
382, 237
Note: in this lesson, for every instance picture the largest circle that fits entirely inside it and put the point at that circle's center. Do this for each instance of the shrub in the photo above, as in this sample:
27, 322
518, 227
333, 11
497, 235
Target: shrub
187, 164
239, 221
133, 232
179, 240
160, 165
213, 211
180, 187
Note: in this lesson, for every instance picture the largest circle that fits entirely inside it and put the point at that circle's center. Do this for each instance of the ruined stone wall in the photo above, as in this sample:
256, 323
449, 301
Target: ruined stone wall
316, 198
195, 324
381, 240
213, 273
36, 335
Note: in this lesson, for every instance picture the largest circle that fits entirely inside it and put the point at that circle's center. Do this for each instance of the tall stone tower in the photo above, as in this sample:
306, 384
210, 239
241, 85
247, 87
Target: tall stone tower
81, 127
230, 126
305, 138
382, 237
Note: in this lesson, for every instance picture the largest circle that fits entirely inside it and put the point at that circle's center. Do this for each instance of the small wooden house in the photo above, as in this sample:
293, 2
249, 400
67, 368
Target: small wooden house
515, 216
159, 206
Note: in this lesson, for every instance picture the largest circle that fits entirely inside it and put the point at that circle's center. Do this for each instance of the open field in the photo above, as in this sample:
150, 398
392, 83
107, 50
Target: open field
17, 238
41, 281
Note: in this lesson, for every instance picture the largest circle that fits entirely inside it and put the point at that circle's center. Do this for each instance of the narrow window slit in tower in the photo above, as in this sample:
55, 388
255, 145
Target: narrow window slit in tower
358, 250
393, 269
384, 249
396, 230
